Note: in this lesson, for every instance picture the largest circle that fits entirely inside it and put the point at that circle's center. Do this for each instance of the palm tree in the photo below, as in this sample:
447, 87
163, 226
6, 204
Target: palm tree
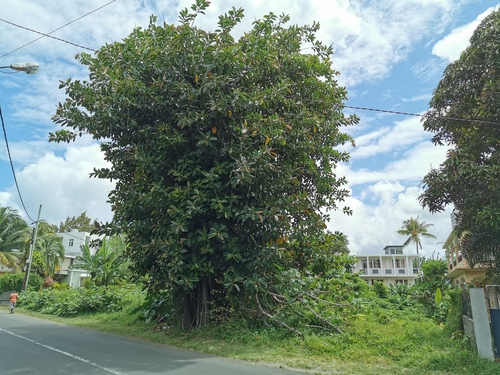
415, 229
14, 235
52, 250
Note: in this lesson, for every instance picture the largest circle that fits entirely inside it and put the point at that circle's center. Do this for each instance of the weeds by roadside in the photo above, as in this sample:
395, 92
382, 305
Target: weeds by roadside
379, 340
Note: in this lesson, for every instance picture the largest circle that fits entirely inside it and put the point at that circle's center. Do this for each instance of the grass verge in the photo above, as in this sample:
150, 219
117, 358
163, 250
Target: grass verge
380, 342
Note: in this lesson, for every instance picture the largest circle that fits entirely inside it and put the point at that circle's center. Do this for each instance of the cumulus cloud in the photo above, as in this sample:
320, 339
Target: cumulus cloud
369, 38
62, 186
372, 227
452, 45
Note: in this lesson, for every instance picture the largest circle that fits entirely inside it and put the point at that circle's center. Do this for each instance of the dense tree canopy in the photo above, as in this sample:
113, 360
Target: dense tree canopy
223, 150
465, 115
82, 223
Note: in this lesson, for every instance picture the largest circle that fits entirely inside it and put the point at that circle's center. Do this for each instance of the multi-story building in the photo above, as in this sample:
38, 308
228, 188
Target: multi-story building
73, 242
459, 270
394, 265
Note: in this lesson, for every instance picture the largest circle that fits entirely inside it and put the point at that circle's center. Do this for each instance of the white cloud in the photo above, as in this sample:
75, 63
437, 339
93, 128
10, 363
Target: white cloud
410, 166
451, 46
372, 227
390, 139
417, 98
62, 186
389, 195
369, 38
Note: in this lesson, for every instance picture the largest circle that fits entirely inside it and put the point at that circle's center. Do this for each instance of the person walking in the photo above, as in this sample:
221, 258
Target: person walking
12, 300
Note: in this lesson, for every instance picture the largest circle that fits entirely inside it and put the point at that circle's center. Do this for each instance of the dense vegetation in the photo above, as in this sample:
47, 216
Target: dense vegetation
386, 330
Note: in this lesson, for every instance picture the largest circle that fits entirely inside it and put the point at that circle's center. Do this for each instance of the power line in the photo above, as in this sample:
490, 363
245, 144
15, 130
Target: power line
420, 115
12, 166
43, 35
53, 31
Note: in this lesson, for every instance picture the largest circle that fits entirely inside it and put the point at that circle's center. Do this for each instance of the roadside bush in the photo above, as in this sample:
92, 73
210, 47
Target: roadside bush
11, 281
454, 322
66, 302
14, 281
60, 286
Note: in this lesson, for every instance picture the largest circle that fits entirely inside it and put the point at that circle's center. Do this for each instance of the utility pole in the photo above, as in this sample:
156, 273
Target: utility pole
32, 248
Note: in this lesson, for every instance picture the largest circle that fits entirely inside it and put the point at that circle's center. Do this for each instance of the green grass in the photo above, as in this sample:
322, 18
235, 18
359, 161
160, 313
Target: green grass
379, 342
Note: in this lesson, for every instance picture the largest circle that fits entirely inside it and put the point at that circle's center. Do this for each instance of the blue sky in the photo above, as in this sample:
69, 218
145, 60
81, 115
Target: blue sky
390, 55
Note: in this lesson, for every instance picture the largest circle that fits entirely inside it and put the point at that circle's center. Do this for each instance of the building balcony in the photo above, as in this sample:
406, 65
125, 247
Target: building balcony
387, 271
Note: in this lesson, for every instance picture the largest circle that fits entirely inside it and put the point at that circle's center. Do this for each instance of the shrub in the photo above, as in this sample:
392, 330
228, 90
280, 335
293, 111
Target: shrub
11, 281
380, 289
64, 302
14, 281
454, 322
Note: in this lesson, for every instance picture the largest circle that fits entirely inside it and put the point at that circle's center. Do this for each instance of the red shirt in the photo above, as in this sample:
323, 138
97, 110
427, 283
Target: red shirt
13, 297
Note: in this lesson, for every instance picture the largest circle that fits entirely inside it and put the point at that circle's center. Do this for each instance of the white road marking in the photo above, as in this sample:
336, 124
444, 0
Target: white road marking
63, 352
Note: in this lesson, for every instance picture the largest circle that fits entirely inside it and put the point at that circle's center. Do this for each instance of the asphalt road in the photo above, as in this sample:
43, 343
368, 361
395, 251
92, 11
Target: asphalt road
35, 346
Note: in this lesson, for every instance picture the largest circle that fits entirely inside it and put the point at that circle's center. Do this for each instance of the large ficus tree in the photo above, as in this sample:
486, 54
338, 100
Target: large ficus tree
223, 150
465, 115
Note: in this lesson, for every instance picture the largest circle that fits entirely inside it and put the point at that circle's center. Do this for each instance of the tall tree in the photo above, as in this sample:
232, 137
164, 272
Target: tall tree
82, 223
415, 229
52, 252
465, 116
14, 235
222, 150
50, 247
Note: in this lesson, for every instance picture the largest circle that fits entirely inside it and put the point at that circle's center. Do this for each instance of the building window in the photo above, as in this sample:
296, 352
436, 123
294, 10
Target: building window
400, 263
70, 242
402, 282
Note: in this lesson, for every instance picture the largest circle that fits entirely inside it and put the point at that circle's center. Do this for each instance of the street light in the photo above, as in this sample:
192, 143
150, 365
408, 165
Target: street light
28, 68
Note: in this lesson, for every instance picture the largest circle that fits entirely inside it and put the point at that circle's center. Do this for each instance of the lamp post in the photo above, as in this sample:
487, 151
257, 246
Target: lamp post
28, 68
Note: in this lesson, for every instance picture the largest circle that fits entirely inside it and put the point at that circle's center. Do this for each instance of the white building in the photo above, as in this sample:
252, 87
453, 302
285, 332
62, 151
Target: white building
73, 242
394, 265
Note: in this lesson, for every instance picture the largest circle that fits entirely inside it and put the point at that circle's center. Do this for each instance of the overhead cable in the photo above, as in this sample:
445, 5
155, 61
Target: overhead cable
53, 31
12, 166
421, 115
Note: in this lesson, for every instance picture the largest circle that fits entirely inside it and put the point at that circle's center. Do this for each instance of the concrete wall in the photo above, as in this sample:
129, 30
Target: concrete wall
4, 298
482, 331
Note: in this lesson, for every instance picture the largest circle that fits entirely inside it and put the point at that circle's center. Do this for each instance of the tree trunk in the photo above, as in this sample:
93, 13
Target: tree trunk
202, 305
196, 306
